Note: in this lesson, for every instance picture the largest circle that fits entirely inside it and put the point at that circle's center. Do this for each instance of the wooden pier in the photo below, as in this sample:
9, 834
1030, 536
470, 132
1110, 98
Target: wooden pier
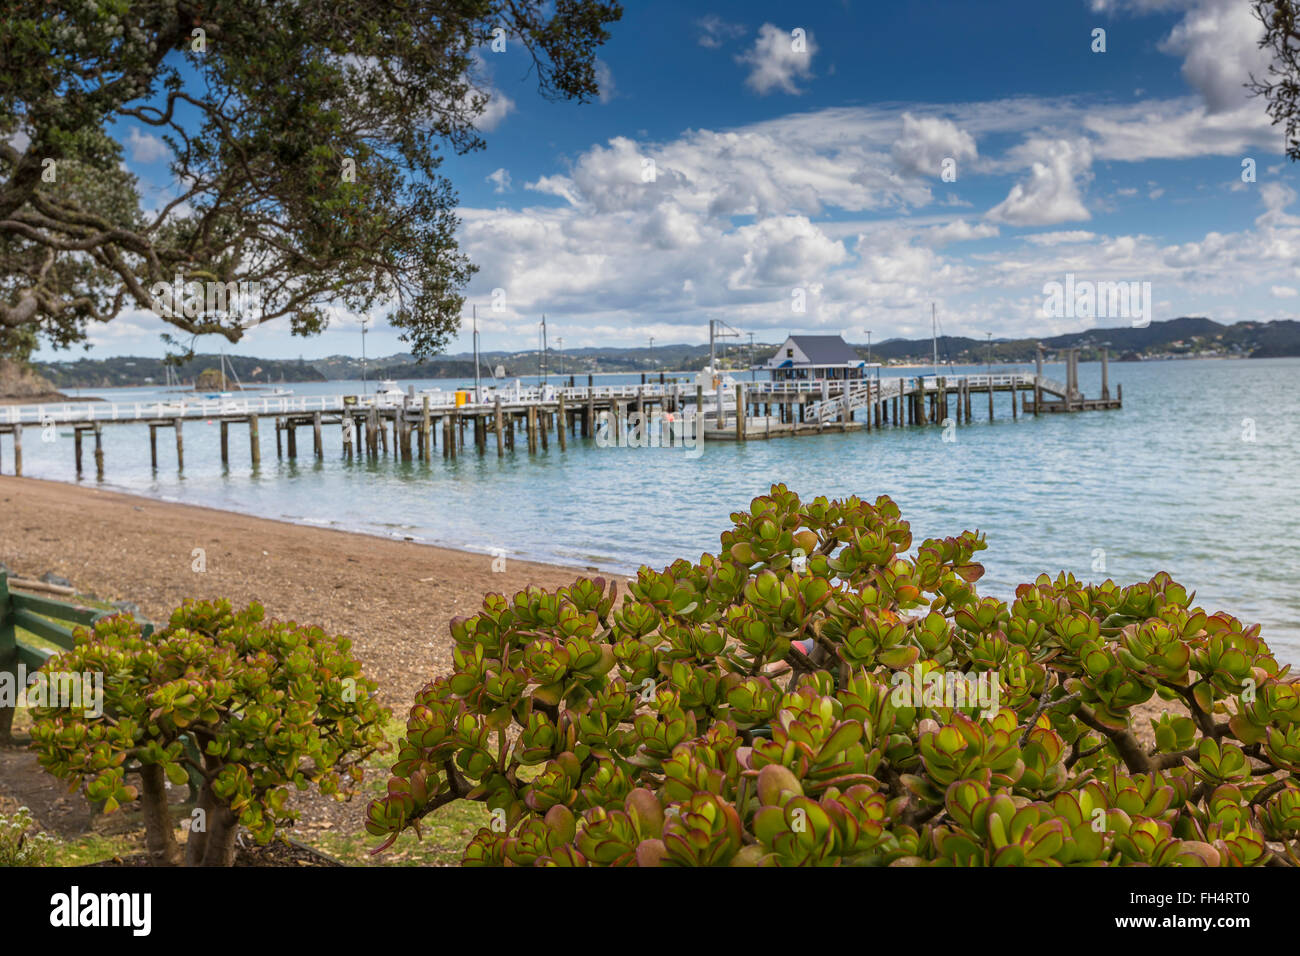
529, 417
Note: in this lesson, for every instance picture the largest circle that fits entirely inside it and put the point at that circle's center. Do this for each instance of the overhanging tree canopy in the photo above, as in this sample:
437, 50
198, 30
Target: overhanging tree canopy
305, 139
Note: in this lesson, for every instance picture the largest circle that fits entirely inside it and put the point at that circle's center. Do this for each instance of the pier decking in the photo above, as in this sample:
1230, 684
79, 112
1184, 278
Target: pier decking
378, 426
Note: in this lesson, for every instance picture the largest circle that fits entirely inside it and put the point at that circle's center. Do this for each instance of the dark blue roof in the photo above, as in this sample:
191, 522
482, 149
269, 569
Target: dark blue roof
826, 349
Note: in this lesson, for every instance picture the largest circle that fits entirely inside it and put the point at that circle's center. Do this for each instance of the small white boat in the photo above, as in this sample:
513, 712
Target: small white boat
278, 392
387, 393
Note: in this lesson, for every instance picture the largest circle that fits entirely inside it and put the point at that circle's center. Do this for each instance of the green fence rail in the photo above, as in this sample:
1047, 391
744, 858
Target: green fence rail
45, 618
53, 621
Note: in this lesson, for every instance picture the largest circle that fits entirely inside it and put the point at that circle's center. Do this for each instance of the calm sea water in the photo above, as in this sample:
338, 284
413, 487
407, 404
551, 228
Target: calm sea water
1170, 482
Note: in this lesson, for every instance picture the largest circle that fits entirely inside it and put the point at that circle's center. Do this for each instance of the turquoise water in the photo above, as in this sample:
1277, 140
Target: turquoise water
1167, 483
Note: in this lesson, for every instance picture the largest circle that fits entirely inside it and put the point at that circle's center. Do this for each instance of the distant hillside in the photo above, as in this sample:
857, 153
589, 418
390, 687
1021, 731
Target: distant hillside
138, 370
1175, 338
528, 362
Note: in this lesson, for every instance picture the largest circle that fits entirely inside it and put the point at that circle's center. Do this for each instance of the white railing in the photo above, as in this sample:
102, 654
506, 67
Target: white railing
860, 392
167, 408
883, 389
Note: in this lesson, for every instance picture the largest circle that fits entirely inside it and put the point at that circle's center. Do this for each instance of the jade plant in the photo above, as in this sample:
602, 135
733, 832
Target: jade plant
821, 693
245, 707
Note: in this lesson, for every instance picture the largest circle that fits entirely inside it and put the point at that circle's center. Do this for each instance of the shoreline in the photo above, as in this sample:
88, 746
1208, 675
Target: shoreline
393, 598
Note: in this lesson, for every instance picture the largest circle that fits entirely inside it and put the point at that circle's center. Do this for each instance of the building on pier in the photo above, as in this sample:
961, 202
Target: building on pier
806, 358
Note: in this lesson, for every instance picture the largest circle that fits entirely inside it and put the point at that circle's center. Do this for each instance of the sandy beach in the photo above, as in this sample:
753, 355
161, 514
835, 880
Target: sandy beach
392, 598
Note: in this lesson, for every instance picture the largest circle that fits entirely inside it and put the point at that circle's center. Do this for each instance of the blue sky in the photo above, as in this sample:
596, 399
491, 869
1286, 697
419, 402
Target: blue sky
778, 168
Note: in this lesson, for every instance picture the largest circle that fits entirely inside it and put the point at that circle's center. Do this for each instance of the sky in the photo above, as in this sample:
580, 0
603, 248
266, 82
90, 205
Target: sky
839, 165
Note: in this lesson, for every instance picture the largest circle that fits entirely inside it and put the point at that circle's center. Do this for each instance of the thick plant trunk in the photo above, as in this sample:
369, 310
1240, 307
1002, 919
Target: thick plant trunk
222, 827
197, 843
160, 834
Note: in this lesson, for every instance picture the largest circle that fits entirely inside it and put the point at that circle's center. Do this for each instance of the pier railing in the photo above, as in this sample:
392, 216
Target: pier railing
861, 390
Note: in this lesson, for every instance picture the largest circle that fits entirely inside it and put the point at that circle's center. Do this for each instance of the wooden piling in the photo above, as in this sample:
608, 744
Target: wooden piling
532, 429
318, 445
560, 430
543, 426
1038, 380
76, 447
426, 428
153, 447
99, 452
225, 443
990, 386
1014, 395
500, 444
254, 441
291, 437
180, 446
740, 411
279, 438
18, 449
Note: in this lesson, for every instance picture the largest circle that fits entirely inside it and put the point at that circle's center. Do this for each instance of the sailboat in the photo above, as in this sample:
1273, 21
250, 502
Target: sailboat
277, 391
223, 393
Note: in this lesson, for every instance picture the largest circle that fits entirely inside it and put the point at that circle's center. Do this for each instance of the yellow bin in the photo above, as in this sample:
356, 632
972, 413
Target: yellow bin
462, 398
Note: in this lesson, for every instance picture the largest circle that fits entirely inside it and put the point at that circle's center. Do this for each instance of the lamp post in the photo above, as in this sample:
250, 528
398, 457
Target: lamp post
988, 355
559, 344
868, 331
652, 353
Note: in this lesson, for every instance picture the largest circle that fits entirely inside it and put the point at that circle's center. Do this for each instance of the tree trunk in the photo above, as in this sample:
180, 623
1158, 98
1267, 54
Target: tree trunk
197, 843
222, 827
160, 833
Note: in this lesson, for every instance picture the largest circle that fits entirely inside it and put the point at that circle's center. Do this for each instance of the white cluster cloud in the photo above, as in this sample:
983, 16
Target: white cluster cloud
1052, 192
500, 180
776, 60
145, 147
927, 141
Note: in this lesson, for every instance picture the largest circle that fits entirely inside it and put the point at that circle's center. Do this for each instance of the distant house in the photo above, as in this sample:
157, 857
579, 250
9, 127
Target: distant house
809, 357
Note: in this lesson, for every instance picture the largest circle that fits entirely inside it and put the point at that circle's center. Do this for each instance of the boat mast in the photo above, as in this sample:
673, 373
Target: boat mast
934, 335
477, 397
